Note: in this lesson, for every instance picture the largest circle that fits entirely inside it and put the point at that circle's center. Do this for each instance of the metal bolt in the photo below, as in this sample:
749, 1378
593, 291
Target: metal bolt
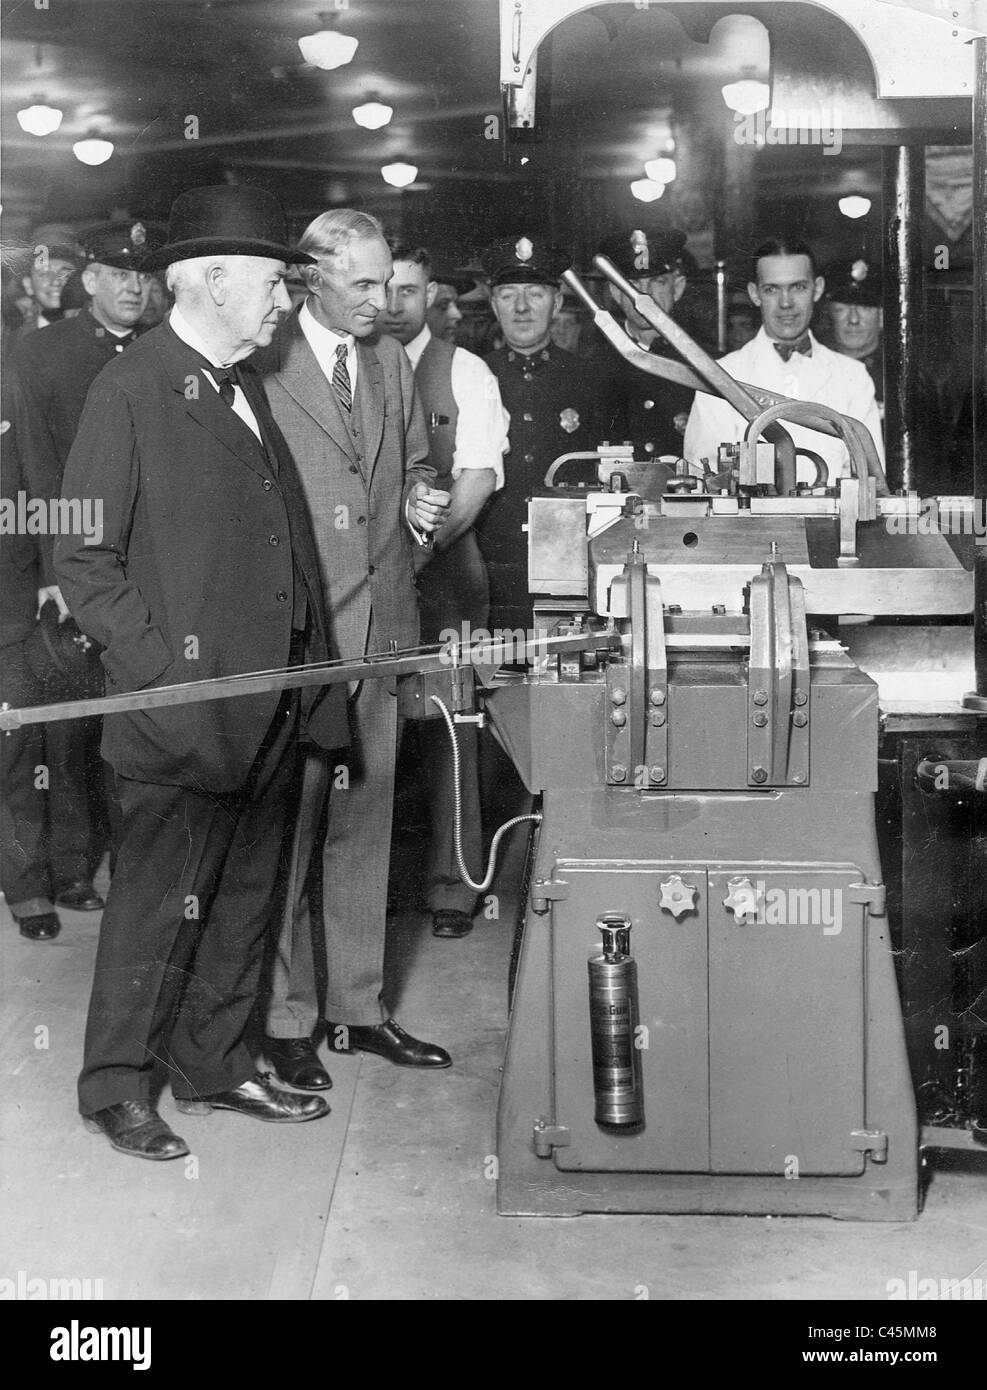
618, 773
657, 718
759, 775
618, 696
760, 697
657, 696
800, 697
657, 774
619, 718
800, 719
798, 778
760, 719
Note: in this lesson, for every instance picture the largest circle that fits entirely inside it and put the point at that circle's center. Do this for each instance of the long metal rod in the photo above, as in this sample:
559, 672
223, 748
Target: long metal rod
377, 666
980, 366
904, 212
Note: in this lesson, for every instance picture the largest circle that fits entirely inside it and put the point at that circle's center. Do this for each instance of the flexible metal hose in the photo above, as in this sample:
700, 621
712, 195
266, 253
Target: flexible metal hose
457, 824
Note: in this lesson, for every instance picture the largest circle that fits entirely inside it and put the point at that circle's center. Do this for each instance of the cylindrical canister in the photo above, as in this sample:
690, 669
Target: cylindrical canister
613, 1014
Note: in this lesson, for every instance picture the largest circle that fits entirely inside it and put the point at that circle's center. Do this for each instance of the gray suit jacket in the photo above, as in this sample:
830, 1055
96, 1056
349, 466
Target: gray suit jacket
356, 489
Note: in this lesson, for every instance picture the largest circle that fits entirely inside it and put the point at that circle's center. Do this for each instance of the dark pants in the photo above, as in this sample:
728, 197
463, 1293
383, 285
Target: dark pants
24, 875
182, 938
80, 800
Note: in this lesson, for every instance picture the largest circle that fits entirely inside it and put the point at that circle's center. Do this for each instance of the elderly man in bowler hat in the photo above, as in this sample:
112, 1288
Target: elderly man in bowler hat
206, 568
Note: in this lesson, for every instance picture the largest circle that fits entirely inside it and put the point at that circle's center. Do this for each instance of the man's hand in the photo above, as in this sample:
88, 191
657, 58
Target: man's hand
428, 507
54, 593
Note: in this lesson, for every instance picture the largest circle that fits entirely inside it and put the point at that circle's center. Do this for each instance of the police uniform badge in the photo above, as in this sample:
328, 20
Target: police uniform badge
138, 234
858, 271
639, 250
569, 420
523, 249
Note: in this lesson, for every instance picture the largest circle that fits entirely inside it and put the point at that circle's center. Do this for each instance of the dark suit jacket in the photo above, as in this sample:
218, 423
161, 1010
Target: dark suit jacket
193, 575
55, 371
355, 491
20, 572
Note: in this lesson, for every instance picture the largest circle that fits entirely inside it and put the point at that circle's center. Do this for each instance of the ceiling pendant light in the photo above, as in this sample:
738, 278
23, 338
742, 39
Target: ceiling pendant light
399, 174
647, 190
747, 96
854, 206
39, 119
660, 170
327, 48
93, 149
373, 114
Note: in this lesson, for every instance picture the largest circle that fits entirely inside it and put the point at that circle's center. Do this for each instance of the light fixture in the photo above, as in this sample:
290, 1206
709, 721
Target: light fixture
660, 170
373, 114
647, 190
327, 48
747, 96
855, 205
399, 174
39, 119
93, 150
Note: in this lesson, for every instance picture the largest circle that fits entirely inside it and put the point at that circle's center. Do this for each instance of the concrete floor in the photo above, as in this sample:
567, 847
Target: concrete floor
411, 1212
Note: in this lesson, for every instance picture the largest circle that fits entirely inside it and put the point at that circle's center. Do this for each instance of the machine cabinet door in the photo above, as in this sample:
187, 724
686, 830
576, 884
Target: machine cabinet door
671, 961
786, 1010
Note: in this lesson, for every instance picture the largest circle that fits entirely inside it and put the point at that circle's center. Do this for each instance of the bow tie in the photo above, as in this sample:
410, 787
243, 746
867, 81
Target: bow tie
801, 345
227, 379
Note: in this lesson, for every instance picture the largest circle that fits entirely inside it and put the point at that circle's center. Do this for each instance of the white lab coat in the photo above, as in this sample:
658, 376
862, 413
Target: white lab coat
826, 377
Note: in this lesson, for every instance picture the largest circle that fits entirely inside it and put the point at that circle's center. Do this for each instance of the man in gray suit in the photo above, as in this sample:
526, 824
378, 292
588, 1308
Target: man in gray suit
348, 411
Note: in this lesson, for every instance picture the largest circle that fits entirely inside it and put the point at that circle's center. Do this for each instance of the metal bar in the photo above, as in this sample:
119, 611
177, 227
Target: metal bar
376, 666
904, 212
721, 306
980, 368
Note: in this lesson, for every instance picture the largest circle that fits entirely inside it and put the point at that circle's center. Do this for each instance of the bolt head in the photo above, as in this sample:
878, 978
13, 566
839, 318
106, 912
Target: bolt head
618, 773
760, 697
759, 775
618, 696
800, 719
657, 774
800, 697
760, 719
619, 718
657, 696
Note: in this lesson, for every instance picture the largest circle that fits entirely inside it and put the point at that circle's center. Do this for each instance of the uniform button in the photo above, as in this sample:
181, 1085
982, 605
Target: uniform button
274, 540
281, 596
353, 468
361, 521
267, 484
529, 458
371, 569
527, 416
649, 405
649, 448
526, 376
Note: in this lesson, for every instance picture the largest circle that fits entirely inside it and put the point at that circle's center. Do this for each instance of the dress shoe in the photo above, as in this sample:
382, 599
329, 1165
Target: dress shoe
81, 896
391, 1041
296, 1063
135, 1127
449, 921
261, 1101
44, 926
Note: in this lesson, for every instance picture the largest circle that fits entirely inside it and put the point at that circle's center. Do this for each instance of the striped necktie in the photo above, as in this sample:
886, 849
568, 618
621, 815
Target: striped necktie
341, 379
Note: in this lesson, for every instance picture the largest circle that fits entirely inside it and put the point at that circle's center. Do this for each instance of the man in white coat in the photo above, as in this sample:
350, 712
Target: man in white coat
785, 357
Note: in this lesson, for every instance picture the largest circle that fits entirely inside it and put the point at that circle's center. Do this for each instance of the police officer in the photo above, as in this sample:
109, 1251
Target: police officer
553, 402
647, 411
54, 371
854, 297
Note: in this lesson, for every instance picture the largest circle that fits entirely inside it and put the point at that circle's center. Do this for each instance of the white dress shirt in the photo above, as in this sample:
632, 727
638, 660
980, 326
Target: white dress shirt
184, 330
324, 342
483, 423
825, 376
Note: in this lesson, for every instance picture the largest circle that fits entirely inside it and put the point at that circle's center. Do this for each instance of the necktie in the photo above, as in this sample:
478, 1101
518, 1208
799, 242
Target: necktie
124, 341
227, 380
341, 379
802, 345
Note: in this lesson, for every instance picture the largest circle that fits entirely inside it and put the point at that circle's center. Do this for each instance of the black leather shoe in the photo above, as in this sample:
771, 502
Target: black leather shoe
261, 1101
449, 921
80, 896
135, 1127
45, 926
391, 1041
296, 1063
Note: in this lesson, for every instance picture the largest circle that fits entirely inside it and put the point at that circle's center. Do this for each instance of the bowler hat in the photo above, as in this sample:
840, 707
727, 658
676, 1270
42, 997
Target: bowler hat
223, 220
64, 662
